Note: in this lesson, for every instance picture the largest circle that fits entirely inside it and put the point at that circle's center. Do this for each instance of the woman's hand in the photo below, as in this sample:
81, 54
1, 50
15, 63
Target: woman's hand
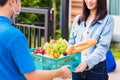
82, 66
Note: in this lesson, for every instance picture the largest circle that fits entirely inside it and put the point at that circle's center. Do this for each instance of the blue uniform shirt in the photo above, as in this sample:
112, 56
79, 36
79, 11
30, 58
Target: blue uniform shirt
102, 31
15, 59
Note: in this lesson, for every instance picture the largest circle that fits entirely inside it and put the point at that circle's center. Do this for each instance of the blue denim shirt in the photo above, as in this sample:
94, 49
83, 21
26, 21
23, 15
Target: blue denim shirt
102, 31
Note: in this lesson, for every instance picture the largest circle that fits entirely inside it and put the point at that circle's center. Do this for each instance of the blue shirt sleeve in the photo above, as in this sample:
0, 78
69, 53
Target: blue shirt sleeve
103, 44
73, 32
21, 55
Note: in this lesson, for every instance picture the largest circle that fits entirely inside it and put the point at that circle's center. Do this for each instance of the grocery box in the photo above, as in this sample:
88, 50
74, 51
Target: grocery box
46, 63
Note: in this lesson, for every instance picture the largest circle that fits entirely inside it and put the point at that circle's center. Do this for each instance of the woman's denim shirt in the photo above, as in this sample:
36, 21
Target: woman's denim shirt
102, 31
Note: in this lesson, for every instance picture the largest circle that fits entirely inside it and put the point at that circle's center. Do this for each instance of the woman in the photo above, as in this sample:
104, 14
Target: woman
94, 22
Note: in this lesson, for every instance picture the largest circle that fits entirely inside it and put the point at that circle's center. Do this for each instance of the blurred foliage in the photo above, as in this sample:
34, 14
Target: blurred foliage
115, 48
58, 34
36, 3
27, 17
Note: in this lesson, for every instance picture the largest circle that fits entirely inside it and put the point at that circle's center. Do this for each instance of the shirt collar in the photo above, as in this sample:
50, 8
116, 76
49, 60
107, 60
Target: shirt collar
100, 21
5, 19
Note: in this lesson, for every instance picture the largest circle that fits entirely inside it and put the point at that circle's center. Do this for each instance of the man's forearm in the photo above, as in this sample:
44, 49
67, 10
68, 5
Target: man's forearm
42, 74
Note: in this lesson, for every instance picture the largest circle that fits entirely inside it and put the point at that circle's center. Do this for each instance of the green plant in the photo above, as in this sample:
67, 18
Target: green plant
115, 48
57, 34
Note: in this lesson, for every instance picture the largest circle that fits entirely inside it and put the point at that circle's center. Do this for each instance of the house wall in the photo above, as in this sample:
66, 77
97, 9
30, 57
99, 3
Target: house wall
114, 10
114, 7
75, 8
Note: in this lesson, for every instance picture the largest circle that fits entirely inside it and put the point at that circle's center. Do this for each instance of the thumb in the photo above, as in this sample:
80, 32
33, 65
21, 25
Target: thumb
67, 66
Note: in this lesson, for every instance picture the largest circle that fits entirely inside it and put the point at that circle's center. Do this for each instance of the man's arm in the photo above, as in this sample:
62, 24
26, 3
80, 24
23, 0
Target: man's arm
63, 72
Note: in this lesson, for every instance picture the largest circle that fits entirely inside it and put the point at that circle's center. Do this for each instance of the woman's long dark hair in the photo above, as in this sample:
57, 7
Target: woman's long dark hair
100, 13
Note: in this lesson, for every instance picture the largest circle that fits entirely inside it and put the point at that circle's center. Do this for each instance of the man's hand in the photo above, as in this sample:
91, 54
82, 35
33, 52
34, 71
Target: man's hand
82, 66
64, 72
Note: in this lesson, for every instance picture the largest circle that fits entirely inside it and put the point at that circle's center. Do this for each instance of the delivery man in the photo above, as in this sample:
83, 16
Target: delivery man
15, 60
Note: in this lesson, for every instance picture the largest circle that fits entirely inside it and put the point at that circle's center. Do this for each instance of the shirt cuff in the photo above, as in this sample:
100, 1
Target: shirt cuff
90, 66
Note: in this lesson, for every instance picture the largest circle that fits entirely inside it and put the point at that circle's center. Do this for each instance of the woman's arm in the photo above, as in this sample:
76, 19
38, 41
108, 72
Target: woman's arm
103, 44
73, 30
